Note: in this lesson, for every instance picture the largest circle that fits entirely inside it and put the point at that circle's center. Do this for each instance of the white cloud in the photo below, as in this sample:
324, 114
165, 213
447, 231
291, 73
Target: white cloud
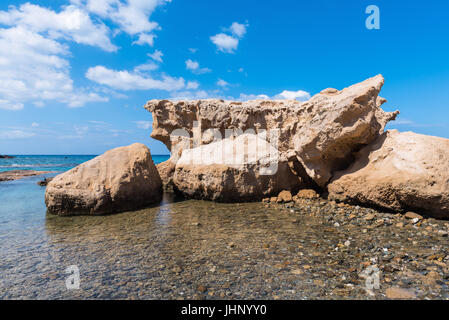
92, 130
156, 56
246, 97
38, 104
218, 94
193, 50
79, 100
222, 83
71, 23
145, 39
410, 123
403, 122
194, 66
80, 130
146, 67
242, 71
35, 69
77, 132
292, 95
144, 124
238, 29
190, 95
34, 49
225, 43
16, 134
192, 85
125, 80
35, 125
8, 105
99, 7
132, 16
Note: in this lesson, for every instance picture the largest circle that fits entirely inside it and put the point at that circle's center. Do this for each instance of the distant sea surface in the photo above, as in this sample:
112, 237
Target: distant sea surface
22, 203
58, 163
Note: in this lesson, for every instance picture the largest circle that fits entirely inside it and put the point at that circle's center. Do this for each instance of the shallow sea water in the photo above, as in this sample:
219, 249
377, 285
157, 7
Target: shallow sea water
190, 249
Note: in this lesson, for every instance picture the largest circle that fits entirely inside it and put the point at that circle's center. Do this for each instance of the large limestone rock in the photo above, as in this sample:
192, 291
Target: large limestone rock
399, 171
121, 179
321, 133
246, 168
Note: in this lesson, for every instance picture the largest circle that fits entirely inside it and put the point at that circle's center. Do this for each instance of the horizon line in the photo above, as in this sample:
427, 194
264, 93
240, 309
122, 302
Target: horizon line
12, 155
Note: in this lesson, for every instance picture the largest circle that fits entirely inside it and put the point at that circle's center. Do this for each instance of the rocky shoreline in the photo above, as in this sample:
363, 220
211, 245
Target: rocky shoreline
329, 206
20, 174
397, 245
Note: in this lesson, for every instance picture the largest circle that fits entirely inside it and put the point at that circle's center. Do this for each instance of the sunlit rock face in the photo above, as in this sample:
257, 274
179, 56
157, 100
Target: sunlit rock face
121, 179
317, 136
245, 168
399, 171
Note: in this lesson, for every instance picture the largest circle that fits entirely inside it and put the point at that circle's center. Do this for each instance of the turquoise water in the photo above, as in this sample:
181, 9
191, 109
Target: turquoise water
22, 201
59, 163
236, 251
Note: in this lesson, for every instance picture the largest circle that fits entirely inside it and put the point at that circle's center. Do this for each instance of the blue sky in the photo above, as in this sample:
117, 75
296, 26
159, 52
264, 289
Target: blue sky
75, 74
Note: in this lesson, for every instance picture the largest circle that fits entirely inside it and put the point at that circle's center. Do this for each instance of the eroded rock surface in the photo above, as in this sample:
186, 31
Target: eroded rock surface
401, 172
166, 170
321, 133
121, 179
307, 194
246, 168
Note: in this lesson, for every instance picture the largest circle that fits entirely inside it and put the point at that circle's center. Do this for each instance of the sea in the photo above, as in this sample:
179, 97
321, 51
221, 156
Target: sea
22, 201
190, 249
24, 222
58, 163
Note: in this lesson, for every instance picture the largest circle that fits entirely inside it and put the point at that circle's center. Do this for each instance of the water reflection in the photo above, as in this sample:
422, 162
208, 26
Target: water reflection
113, 225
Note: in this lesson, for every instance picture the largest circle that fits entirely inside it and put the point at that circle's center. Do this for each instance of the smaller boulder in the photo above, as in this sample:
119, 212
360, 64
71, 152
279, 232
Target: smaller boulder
307, 194
44, 182
284, 196
412, 215
121, 179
